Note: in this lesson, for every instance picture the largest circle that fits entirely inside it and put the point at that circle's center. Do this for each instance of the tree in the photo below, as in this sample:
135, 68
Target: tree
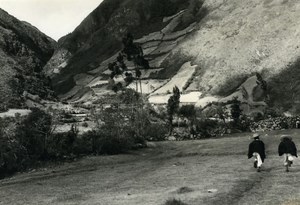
189, 112
13, 156
235, 110
221, 112
133, 52
172, 107
34, 131
120, 127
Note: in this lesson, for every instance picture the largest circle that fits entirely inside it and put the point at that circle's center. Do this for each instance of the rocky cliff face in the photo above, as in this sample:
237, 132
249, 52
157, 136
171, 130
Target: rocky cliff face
24, 51
211, 47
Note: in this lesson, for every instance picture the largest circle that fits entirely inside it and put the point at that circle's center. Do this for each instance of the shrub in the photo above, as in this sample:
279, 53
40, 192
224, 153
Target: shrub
120, 128
61, 145
187, 111
33, 133
174, 202
13, 156
209, 128
85, 124
243, 125
112, 144
83, 146
156, 131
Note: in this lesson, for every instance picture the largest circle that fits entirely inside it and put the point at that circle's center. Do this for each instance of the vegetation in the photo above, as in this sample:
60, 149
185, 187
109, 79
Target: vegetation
235, 110
13, 155
132, 52
172, 107
122, 126
33, 133
283, 89
174, 202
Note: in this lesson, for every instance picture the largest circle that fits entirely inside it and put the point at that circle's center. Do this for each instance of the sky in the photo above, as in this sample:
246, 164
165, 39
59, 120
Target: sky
55, 18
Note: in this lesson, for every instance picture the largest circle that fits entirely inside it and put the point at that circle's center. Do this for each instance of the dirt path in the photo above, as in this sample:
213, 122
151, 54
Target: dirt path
211, 172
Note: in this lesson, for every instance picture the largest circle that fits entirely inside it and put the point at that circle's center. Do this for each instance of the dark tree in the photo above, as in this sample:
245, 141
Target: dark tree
34, 131
235, 110
172, 106
187, 111
132, 52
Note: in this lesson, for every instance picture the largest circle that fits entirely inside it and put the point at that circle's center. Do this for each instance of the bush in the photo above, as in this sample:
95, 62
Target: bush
187, 111
61, 145
110, 144
120, 128
85, 124
33, 132
209, 128
174, 202
156, 131
13, 156
243, 124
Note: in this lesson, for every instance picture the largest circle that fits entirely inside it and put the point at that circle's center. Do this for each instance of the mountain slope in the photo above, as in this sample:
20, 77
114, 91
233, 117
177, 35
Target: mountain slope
99, 36
227, 41
24, 51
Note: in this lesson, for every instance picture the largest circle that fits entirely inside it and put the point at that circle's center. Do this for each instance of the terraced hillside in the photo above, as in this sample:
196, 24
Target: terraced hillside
213, 46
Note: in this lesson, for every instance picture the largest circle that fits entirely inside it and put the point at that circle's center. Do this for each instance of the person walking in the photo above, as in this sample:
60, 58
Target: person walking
288, 150
257, 150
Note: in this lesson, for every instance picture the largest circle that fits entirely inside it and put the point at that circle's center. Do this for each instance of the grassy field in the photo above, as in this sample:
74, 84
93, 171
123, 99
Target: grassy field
206, 172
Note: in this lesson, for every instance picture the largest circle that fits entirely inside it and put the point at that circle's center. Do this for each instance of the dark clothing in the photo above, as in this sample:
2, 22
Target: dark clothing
257, 146
287, 146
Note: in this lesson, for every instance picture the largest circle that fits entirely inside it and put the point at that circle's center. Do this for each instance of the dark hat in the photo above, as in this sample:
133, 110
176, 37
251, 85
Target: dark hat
286, 137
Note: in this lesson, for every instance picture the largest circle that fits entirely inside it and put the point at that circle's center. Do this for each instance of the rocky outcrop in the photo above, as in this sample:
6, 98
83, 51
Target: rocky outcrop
24, 50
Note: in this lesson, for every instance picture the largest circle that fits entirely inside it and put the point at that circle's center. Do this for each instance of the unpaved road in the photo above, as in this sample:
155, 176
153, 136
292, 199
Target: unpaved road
153, 175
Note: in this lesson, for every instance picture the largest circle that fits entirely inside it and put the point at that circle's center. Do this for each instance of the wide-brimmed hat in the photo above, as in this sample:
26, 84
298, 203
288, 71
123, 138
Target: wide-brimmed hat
255, 135
286, 137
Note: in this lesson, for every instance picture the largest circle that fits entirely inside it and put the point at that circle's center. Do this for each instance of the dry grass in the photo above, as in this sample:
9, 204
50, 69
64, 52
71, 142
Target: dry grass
165, 171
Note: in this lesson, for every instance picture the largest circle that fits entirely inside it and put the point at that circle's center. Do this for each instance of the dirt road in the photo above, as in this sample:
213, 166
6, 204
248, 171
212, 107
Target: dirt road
212, 172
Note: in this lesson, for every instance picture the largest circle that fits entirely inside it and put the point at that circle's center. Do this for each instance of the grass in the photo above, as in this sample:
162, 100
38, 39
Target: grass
173, 172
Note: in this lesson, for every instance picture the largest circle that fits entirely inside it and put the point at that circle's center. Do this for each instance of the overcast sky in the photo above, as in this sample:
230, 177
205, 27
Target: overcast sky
55, 18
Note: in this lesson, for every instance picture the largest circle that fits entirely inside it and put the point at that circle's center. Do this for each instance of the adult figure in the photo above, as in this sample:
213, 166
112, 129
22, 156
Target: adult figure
257, 151
288, 150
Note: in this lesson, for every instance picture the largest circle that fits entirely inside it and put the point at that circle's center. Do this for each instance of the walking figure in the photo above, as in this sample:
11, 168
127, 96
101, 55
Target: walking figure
257, 150
288, 150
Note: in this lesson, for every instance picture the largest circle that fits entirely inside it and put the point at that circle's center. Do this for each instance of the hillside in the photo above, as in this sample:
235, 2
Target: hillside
206, 172
85, 51
24, 50
215, 45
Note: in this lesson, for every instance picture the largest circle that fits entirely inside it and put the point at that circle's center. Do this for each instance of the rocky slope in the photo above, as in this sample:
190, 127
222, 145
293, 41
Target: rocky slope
210, 48
24, 50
